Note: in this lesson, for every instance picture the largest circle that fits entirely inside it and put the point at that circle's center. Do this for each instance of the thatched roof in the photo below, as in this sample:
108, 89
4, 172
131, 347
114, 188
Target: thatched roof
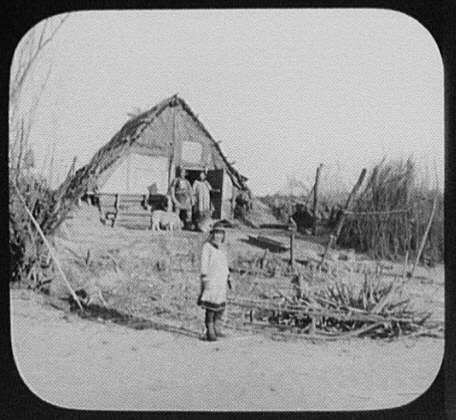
111, 152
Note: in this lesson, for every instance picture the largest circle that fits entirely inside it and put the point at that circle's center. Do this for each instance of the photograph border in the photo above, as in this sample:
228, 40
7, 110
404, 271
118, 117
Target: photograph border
439, 401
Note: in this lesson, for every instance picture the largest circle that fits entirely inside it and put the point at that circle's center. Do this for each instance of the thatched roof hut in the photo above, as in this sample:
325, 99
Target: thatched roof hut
165, 130
150, 146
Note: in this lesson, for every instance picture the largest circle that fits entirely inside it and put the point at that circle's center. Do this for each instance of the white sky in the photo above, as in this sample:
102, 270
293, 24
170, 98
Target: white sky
282, 89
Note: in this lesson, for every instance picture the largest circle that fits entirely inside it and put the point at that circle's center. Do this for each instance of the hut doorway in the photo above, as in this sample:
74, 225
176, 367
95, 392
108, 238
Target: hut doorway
192, 175
218, 179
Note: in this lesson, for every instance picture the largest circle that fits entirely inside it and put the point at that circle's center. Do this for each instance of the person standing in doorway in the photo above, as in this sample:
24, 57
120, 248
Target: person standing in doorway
181, 193
202, 193
214, 281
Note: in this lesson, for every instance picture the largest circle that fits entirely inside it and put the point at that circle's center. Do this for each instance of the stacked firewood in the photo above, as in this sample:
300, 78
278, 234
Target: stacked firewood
340, 310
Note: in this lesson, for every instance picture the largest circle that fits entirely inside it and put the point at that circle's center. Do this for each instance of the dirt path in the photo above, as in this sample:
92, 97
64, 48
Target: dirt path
78, 363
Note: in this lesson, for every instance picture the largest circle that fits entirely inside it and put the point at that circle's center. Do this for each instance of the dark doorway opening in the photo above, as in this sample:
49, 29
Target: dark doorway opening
192, 175
215, 179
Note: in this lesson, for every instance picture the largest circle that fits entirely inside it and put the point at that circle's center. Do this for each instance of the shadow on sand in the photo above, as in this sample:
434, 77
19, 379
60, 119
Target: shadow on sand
255, 242
97, 313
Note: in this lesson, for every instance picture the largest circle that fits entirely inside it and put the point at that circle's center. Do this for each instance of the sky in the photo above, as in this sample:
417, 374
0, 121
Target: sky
284, 90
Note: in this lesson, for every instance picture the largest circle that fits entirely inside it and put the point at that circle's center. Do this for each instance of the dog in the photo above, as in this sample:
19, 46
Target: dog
167, 220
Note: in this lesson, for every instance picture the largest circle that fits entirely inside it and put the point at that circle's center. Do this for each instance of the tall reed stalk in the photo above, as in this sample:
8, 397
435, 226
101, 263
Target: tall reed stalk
393, 186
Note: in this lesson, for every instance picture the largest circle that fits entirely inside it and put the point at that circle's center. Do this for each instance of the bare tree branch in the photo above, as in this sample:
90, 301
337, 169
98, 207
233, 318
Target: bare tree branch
37, 99
21, 119
34, 53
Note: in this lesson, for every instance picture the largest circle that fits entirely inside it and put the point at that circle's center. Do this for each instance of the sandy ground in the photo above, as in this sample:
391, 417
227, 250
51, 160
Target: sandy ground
77, 363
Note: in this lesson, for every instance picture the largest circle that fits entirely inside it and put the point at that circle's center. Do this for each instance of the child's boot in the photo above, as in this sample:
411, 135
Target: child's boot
210, 329
218, 325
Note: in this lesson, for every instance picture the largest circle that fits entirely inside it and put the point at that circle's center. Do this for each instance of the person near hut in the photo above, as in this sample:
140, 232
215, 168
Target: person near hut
202, 192
242, 204
181, 193
215, 278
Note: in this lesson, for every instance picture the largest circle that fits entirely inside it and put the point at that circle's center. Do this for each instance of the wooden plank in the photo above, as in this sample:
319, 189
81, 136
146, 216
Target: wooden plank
275, 226
108, 208
132, 209
126, 208
132, 198
107, 201
105, 195
135, 214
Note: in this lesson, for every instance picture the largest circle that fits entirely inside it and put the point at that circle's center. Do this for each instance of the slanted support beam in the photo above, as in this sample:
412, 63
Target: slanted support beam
334, 236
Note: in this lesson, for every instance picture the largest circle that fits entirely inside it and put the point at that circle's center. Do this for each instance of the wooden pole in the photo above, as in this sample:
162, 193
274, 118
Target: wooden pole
404, 270
315, 200
116, 207
309, 195
128, 174
292, 227
333, 237
52, 253
425, 235
172, 146
292, 248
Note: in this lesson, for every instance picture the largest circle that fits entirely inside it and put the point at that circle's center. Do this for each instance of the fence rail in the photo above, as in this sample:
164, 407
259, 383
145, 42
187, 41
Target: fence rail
373, 213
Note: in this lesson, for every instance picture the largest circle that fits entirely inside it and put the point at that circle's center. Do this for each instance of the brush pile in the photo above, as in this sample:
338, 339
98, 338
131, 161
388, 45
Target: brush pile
375, 309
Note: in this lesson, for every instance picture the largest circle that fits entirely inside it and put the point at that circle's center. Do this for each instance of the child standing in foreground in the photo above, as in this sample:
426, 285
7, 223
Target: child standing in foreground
214, 279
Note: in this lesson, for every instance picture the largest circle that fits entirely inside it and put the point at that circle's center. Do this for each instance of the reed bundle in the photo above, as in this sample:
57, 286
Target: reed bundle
389, 216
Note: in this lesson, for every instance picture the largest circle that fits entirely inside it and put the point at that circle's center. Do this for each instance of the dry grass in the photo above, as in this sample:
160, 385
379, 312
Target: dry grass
393, 186
28, 256
145, 276
139, 273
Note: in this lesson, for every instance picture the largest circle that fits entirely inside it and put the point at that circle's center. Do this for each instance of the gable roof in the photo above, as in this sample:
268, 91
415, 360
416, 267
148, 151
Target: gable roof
73, 187
110, 153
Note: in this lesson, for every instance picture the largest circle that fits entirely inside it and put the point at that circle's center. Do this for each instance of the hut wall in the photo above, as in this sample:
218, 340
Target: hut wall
136, 173
188, 136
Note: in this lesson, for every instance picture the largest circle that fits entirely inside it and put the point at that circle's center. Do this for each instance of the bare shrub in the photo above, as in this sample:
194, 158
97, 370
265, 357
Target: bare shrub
27, 253
28, 257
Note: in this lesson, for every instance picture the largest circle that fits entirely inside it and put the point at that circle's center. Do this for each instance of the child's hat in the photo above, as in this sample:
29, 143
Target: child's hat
217, 230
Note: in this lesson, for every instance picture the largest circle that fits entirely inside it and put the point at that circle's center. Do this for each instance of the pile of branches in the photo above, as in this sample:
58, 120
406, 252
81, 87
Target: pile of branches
340, 310
389, 216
